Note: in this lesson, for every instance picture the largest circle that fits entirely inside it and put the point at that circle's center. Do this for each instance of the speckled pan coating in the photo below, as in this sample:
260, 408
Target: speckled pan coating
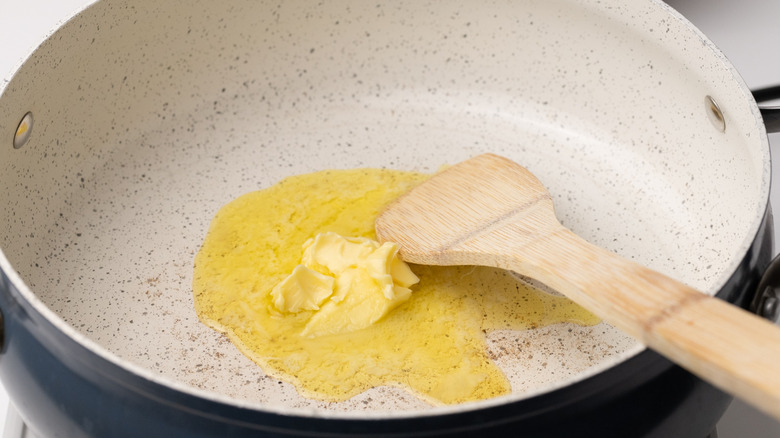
150, 115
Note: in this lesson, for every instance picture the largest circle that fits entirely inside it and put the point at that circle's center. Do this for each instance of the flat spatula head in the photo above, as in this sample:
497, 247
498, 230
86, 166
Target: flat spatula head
464, 210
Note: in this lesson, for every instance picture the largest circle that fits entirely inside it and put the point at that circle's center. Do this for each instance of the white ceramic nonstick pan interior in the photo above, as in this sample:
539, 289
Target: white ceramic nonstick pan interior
149, 116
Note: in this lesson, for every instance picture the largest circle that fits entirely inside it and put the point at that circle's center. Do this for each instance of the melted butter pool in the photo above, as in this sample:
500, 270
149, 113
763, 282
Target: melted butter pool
432, 345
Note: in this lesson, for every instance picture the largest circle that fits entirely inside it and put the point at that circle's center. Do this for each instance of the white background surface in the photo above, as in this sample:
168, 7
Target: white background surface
747, 31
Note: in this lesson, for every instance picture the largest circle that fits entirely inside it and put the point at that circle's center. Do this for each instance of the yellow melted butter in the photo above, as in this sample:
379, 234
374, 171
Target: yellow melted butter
432, 344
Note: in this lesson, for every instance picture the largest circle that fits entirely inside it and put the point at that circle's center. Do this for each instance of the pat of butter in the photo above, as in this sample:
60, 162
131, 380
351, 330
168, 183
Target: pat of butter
304, 289
348, 283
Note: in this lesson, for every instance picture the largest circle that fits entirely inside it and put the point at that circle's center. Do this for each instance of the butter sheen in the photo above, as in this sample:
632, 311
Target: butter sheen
432, 344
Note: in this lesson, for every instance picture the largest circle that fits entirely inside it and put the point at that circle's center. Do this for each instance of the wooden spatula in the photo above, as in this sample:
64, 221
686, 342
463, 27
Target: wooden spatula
491, 211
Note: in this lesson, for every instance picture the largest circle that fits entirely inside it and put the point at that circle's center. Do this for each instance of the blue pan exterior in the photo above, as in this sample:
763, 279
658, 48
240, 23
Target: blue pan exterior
64, 390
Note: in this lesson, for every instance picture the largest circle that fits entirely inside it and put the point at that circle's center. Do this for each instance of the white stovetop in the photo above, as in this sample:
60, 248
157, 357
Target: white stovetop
747, 31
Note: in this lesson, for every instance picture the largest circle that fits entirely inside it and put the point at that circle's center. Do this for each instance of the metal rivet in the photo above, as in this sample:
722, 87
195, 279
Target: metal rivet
769, 308
23, 130
715, 114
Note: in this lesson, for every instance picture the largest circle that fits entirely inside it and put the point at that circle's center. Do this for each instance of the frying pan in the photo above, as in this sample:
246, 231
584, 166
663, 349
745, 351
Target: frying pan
145, 117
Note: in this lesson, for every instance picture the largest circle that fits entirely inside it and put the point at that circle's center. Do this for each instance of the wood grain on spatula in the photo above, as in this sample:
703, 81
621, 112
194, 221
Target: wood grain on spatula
491, 211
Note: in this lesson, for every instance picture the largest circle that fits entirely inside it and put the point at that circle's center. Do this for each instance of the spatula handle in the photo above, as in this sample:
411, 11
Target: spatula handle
725, 345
